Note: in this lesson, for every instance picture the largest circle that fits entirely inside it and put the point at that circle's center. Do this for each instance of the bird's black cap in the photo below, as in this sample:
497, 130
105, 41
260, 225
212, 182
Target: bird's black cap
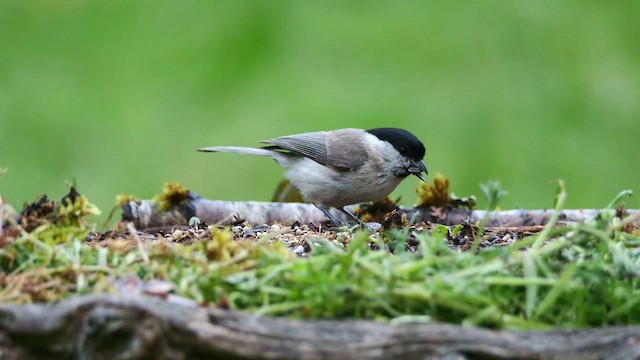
405, 142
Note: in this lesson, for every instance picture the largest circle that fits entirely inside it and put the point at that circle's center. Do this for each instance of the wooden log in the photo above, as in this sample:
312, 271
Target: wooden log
144, 327
147, 214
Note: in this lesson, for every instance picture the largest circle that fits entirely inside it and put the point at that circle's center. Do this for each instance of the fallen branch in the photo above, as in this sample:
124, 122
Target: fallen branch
147, 214
143, 327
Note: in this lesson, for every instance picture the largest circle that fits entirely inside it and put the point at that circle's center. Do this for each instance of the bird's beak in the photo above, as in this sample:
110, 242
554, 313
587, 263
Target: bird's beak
417, 168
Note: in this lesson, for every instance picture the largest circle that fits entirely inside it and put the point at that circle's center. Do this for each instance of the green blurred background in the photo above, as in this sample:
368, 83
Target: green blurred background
118, 94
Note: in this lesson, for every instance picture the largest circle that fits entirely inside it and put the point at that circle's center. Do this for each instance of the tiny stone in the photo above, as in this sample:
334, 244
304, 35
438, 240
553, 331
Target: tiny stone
248, 232
158, 287
299, 250
261, 228
236, 230
374, 226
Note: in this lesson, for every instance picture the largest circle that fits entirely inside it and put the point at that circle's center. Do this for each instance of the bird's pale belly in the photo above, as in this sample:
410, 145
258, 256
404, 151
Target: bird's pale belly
347, 187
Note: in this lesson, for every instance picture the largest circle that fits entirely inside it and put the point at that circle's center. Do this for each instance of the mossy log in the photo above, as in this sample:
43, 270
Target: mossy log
144, 327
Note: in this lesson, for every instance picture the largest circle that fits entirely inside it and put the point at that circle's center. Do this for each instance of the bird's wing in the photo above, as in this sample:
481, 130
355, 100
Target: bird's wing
339, 150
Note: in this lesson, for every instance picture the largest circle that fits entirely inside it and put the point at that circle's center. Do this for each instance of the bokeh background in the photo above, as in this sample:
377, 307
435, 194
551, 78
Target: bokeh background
118, 94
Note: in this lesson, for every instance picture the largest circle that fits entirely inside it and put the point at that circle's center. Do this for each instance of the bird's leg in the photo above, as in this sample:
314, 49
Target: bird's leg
328, 215
353, 217
359, 222
372, 226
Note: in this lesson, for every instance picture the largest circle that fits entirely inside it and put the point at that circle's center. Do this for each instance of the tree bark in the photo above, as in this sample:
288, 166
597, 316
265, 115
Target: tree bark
143, 327
147, 214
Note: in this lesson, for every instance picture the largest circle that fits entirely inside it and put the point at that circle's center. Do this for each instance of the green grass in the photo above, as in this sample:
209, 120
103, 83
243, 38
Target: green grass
582, 276
118, 95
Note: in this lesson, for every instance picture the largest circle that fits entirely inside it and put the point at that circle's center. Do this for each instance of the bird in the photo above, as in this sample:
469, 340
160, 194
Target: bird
343, 167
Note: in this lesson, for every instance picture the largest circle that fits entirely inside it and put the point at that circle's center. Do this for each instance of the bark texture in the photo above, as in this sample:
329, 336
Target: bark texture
143, 327
147, 214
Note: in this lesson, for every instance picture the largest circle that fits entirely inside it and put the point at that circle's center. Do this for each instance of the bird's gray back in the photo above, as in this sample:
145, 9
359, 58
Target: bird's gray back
341, 149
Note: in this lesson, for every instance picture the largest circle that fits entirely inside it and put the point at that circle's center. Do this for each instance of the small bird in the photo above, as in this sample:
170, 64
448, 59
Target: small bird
343, 167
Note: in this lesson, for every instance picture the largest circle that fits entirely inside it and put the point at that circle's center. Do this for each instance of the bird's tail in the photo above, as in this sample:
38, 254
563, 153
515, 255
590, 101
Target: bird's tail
245, 150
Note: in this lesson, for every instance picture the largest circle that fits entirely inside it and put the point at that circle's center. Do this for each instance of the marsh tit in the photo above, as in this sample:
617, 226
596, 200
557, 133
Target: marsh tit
343, 167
